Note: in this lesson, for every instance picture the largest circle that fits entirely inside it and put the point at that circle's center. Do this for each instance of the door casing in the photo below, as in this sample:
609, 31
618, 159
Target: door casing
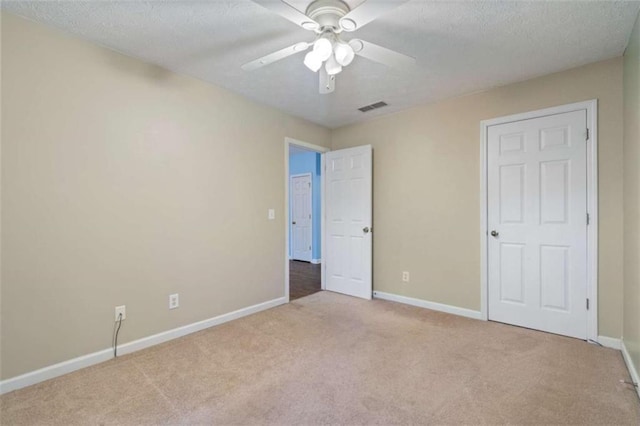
592, 204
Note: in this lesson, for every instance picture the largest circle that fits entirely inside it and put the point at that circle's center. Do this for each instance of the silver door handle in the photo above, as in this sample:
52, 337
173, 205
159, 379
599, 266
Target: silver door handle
495, 233
365, 229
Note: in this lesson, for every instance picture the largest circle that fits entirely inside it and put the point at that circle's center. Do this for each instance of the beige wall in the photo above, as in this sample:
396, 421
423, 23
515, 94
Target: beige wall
427, 188
115, 190
123, 183
631, 329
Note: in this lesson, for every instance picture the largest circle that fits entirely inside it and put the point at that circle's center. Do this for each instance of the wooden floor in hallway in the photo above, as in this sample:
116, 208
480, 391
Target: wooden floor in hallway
304, 279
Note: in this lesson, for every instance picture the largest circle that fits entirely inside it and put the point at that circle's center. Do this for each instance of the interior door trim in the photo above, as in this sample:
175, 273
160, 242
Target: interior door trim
591, 107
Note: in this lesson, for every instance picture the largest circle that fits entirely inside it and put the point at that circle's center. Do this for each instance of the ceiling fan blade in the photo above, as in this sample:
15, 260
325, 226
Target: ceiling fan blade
276, 56
289, 12
381, 54
327, 82
367, 12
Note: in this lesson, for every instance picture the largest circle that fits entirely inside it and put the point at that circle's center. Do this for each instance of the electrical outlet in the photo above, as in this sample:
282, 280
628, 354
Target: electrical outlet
121, 310
174, 301
405, 277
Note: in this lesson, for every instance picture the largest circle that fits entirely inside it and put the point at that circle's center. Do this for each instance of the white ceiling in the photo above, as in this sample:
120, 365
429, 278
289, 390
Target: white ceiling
461, 47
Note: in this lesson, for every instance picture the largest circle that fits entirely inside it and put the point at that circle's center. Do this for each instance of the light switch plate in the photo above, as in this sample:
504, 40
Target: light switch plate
272, 214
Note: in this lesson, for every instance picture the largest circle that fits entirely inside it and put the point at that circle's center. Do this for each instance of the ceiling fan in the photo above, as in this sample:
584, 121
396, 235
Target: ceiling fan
328, 19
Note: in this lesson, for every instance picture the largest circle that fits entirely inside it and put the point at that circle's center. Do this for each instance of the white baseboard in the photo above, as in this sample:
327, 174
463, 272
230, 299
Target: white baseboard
428, 305
610, 342
165, 336
635, 378
316, 261
74, 364
55, 370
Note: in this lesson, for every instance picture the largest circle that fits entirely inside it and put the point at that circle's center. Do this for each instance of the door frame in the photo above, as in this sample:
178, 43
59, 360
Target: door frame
310, 175
591, 107
321, 150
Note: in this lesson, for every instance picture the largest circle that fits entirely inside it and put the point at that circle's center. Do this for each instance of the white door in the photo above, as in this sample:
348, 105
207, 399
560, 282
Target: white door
301, 233
348, 205
537, 223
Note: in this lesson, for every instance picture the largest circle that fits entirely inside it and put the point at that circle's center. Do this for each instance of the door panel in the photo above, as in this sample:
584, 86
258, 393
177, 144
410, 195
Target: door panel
348, 208
537, 204
554, 197
512, 273
554, 277
512, 193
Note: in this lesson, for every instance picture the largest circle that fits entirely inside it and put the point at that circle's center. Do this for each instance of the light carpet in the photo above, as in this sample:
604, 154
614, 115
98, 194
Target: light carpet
332, 359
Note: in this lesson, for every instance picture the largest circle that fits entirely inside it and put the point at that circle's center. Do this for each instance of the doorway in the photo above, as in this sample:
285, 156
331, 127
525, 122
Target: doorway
304, 225
540, 220
342, 231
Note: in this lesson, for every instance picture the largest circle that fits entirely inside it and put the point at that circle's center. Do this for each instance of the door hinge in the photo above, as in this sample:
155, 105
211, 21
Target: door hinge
587, 304
588, 219
309, 184
587, 134
309, 215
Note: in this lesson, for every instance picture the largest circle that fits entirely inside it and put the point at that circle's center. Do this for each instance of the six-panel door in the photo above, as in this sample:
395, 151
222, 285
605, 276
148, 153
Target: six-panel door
537, 213
348, 233
301, 232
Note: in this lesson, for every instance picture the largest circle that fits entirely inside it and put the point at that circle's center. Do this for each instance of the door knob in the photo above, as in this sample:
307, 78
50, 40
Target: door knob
293, 223
365, 229
494, 233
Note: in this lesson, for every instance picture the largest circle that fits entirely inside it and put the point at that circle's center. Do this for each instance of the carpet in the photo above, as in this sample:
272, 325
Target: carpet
333, 359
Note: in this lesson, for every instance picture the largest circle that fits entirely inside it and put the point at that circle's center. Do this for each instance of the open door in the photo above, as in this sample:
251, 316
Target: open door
348, 224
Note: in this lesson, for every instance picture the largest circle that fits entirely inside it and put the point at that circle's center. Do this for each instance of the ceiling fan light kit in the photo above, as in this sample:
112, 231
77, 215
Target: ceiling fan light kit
328, 48
344, 53
328, 19
313, 61
332, 66
323, 48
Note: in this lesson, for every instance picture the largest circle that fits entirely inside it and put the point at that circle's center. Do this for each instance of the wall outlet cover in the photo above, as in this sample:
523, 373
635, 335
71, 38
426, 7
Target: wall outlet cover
174, 301
121, 310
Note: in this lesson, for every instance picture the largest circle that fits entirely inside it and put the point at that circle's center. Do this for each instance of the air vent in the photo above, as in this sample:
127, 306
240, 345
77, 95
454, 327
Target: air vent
373, 106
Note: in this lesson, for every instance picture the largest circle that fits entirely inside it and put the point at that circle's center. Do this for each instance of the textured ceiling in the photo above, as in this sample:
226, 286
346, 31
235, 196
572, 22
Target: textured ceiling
461, 47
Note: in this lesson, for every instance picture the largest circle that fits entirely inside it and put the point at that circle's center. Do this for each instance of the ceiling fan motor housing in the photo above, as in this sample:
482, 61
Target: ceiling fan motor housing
327, 13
